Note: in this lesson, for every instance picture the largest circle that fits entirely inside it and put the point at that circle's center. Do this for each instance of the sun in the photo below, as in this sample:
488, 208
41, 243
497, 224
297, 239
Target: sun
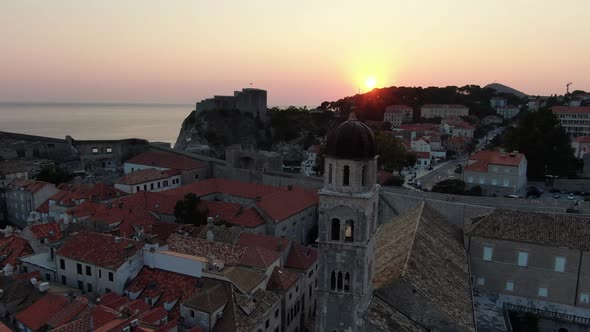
370, 82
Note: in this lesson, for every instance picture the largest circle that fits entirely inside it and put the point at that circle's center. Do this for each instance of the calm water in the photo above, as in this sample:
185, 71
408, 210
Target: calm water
95, 121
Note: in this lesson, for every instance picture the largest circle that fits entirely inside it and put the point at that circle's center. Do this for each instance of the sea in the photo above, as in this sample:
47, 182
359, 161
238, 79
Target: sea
87, 121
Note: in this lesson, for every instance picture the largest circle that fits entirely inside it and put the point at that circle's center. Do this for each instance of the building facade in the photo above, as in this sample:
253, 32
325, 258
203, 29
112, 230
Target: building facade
429, 111
24, 196
575, 120
406, 111
507, 112
499, 173
538, 256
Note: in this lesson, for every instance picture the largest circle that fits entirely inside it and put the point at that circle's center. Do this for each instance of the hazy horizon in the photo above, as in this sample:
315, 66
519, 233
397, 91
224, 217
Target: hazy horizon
303, 53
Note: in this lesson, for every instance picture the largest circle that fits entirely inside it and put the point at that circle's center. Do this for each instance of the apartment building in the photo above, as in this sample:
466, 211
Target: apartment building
539, 256
24, 196
497, 172
398, 114
429, 111
98, 263
575, 120
507, 112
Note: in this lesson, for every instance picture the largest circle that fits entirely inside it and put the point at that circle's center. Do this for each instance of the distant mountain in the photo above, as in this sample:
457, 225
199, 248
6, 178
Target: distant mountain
501, 88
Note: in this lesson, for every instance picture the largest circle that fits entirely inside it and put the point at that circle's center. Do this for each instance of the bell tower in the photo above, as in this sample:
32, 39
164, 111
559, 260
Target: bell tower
347, 224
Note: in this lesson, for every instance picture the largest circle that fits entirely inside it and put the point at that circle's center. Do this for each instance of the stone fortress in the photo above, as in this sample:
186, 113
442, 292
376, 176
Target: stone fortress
249, 101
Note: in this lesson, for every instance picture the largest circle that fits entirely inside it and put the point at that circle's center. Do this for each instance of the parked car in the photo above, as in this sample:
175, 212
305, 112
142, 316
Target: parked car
571, 197
556, 195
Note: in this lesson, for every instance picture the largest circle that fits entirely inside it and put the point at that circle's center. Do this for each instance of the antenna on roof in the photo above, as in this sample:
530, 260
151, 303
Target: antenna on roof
567, 87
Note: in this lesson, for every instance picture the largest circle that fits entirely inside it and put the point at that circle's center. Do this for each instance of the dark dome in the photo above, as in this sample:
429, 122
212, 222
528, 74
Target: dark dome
351, 140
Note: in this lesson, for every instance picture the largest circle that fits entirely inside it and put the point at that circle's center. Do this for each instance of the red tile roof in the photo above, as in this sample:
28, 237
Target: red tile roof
4, 328
168, 285
301, 257
146, 175
568, 109
27, 276
69, 312
49, 230
39, 313
383, 176
227, 253
154, 316
168, 160
231, 187
171, 325
14, 247
268, 242
484, 158
101, 315
459, 139
74, 194
583, 139
284, 204
233, 213
43, 208
28, 185
422, 155
281, 279
99, 249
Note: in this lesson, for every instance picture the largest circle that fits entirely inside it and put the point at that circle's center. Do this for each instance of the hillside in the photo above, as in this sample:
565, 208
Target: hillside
501, 88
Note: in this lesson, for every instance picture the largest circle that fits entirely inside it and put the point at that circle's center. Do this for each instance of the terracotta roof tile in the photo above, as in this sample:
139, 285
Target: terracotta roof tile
281, 279
227, 253
234, 213
98, 249
170, 286
28, 185
69, 312
154, 316
39, 313
583, 139
482, 159
164, 159
568, 109
49, 230
283, 204
556, 230
14, 247
268, 242
146, 175
301, 257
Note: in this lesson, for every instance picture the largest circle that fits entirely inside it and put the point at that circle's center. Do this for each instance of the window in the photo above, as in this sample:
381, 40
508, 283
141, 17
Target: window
151, 186
192, 313
107, 290
347, 282
506, 182
47, 276
42, 241
25, 269
276, 313
290, 296
63, 280
559, 264
523, 258
333, 281
80, 285
330, 174
335, 229
346, 176
510, 286
165, 183
481, 281
482, 180
267, 323
364, 175
339, 281
137, 188
349, 231
88, 270
145, 187
79, 268
543, 292
62, 264
111, 276
109, 149
488, 253
584, 298
494, 182
89, 287
94, 150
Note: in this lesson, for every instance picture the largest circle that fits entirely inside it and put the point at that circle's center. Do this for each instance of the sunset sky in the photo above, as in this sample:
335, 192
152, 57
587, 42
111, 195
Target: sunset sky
303, 52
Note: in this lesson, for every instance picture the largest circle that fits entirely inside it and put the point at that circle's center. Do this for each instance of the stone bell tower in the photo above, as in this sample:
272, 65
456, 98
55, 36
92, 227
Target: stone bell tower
347, 224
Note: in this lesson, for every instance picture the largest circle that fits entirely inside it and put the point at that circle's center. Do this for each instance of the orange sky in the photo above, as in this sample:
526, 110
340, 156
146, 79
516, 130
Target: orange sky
302, 52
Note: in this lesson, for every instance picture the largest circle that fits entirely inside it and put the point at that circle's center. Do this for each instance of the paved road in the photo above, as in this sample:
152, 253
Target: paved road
440, 173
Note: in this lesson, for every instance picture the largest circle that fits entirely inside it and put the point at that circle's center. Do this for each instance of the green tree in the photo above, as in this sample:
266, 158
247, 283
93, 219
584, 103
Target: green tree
54, 174
386, 126
450, 186
544, 142
393, 156
190, 211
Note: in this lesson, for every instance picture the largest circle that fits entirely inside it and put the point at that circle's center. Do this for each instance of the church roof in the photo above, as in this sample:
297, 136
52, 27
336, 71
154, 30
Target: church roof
351, 140
422, 250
